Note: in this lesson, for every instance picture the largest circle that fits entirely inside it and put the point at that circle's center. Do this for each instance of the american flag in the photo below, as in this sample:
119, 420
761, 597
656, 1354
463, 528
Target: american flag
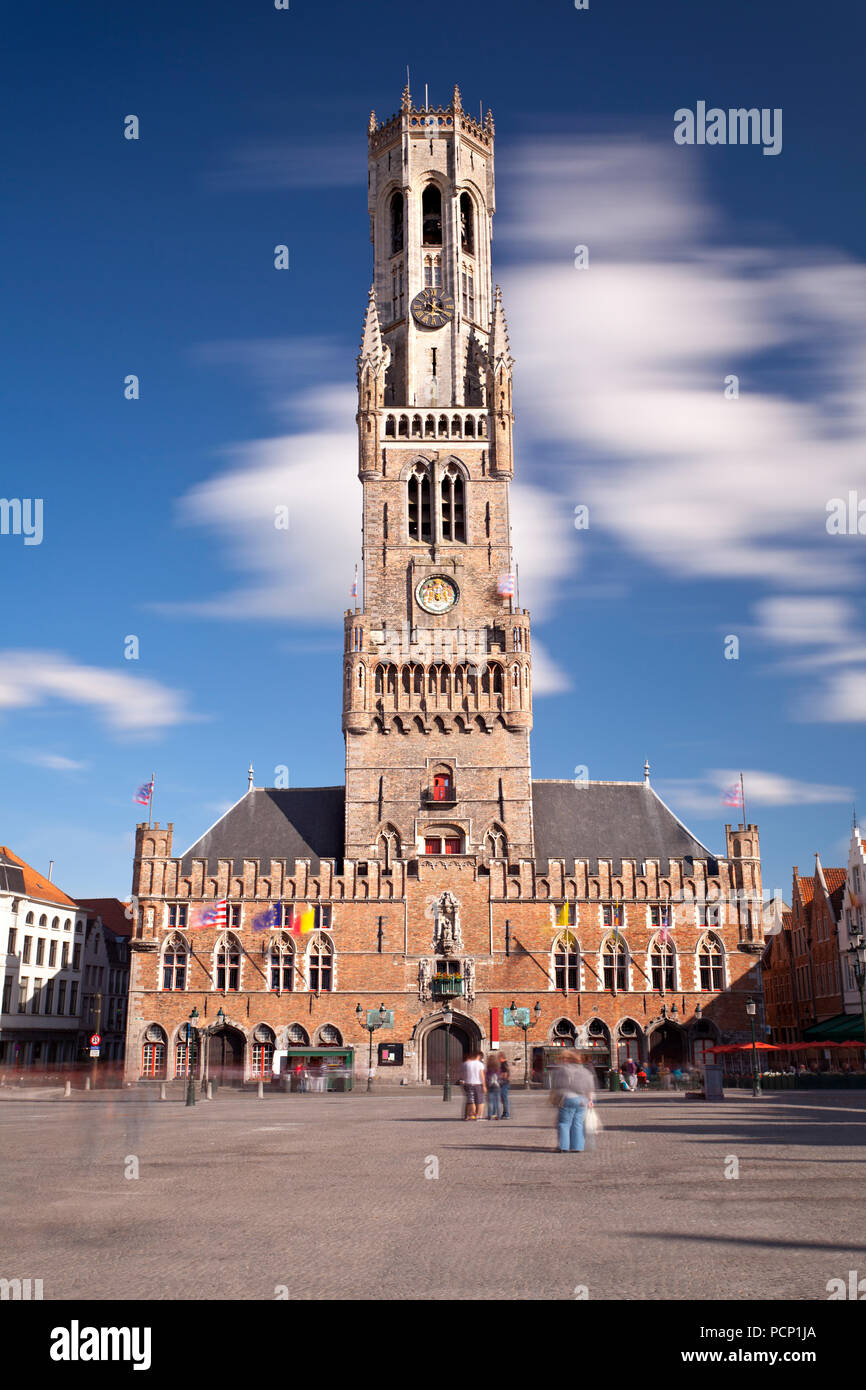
505, 587
144, 793
734, 795
213, 915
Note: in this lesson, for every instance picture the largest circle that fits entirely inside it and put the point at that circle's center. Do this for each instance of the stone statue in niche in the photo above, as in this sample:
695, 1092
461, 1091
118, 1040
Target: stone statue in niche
447, 936
425, 971
469, 978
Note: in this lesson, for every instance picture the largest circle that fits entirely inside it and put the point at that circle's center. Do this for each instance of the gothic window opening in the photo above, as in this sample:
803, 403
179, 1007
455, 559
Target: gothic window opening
431, 216
443, 426
452, 513
390, 425
432, 272
663, 967
174, 963
282, 965
403, 427
565, 962
321, 966
711, 963
388, 847
153, 1052
456, 427
396, 224
496, 843
470, 427
615, 965
263, 1051
416, 426
420, 510
228, 965
467, 291
298, 1036
397, 291
430, 427
467, 225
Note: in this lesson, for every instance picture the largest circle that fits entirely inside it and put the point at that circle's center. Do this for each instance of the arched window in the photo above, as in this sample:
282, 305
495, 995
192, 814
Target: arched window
663, 966
615, 964
418, 680
397, 294
431, 216
396, 224
429, 427
433, 272
496, 843
282, 963
389, 427
443, 840
470, 426
153, 1052
564, 1031
29, 919
711, 963
467, 225
444, 678
420, 511
228, 964
329, 1036
298, 1036
416, 426
387, 846
443, 426
175, 958
263, 1050
451, 505
565, 962
320, 965
467, 290
43, 920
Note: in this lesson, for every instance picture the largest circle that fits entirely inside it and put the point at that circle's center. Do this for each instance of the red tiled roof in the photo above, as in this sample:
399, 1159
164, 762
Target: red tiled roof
111, 910
835, 878
807, 889
787, 919
36, 885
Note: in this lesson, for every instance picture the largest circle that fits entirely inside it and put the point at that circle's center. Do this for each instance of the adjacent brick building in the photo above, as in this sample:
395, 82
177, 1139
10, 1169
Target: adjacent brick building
802, 968
440, 872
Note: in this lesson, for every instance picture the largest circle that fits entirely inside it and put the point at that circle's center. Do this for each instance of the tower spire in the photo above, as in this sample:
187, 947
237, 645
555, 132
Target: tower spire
500, 348
371, 337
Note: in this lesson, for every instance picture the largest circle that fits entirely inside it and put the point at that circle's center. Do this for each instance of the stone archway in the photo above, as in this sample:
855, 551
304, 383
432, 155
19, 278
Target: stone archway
430, 1045
225, 1056
667, 1044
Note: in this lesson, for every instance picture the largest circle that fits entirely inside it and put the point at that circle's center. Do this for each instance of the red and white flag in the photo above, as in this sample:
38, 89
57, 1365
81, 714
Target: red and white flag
210, 915
734, 795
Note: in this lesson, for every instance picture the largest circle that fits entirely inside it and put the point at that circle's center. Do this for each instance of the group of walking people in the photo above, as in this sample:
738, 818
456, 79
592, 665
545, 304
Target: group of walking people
491, 1079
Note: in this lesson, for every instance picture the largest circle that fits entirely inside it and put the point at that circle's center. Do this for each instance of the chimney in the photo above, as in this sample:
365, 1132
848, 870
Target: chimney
50, 870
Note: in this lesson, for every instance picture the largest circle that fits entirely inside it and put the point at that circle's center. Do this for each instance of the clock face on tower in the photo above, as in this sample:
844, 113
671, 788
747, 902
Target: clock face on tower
432, 308
437, 594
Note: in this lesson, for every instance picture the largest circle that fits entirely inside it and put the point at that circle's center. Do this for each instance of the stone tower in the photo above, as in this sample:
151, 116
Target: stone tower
437, 694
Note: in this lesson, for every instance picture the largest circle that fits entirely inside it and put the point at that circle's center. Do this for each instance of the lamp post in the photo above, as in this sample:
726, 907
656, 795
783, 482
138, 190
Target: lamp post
190, 1056
371, 1028
857, 952
215, 1026
447, 1019
526, 1026
751, 1010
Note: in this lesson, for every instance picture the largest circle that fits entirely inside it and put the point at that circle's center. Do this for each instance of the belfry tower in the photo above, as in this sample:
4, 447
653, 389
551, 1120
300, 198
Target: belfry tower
437, 695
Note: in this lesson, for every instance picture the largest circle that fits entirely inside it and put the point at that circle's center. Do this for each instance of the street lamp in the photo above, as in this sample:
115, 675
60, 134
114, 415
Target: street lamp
857, 952
371, 1028
447, 1019
526, 1026
190, 1056
751, 1010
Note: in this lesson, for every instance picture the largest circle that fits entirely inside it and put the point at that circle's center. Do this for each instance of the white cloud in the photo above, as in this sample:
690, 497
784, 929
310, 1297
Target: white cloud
55, 762
128, 703
841, 699
547, 677
705, 795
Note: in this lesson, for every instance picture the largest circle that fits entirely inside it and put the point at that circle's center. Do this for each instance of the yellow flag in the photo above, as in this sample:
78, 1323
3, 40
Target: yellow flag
562, 916
308, 919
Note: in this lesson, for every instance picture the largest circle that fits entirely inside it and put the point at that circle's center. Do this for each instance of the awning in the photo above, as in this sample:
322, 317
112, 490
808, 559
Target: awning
842, 1028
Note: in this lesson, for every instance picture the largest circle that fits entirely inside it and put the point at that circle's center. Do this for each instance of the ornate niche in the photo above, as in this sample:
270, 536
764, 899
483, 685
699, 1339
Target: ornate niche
447, 935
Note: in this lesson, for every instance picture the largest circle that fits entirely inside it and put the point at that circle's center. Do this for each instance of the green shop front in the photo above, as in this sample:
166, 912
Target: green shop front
315, 1069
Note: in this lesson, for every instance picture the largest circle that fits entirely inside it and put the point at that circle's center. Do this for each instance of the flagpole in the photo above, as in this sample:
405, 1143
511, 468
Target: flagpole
150, 802
743, 799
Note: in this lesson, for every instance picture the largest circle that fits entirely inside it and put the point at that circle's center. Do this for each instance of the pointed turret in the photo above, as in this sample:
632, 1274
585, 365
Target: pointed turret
373, 359
499, 389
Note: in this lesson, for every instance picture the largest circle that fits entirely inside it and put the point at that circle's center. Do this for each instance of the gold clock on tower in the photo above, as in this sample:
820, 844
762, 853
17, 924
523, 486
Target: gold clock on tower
432, 308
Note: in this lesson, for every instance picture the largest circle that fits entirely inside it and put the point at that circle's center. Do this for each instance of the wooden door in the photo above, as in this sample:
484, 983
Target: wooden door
458, 1047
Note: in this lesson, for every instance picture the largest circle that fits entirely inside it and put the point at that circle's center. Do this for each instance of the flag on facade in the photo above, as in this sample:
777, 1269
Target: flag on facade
308, 919
664, 931
505, 587
267, 920
562, 916
210, 915
144, 793
734, 795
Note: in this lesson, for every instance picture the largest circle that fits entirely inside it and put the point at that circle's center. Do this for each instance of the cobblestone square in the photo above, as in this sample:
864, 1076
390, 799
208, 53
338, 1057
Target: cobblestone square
332, 1197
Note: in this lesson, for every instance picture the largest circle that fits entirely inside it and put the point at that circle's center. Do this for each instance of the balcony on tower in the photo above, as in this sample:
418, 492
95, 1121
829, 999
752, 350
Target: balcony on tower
440, 791
447, 986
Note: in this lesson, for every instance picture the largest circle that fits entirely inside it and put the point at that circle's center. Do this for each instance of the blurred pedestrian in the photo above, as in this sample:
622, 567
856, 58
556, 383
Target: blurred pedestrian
491, 1081
473, 1086
505, 1087
573, 1087
631, 1074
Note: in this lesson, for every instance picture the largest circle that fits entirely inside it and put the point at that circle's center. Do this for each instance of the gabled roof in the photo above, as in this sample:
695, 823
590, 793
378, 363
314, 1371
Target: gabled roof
608, 820
275, 823
35, 885
111, 910
807, 888
835, 878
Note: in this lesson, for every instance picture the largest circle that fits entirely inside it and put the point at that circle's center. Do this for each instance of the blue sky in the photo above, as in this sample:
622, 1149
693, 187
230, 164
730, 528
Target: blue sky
707, 516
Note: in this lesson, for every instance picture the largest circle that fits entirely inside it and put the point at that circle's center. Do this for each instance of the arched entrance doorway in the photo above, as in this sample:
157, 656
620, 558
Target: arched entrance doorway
667, 1045
225, 1057
458, 1046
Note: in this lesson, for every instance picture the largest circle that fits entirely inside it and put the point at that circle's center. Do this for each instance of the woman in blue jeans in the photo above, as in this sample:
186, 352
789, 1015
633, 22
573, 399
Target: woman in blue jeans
574, 1084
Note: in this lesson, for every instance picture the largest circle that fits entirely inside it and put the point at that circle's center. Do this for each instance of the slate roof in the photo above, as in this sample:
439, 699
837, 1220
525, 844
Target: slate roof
276, 823
608, 820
